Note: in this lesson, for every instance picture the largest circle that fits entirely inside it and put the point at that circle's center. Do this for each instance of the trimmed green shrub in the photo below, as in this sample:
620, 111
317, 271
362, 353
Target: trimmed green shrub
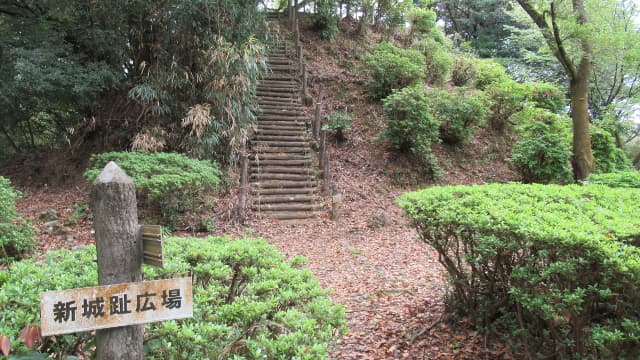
459, 113
248, 302
338, 122
609, 157
556, 266
437, 60
16, 236
542, 154
390, 68
462, 72
546, 96
488, 72
508, 98
412, 126
623, 179
166, 182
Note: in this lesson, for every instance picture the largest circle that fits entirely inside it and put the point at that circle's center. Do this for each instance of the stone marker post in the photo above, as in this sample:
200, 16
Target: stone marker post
119, 248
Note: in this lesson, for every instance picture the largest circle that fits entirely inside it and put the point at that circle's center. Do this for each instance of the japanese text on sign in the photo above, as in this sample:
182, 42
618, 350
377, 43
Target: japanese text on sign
108, 306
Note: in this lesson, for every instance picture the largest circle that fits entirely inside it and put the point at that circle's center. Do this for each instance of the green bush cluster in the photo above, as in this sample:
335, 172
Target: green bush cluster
166, 182
609, 157
390, 67
623, 179
488, 72
545, 96
462, 72
338, 122
542, 154
16, 236
437, 60
412, 126
557, 266
459, 113
510, 97
249, 303
326, 23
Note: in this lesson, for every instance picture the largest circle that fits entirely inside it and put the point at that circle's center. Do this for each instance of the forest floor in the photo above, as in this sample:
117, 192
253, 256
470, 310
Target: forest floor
370, 258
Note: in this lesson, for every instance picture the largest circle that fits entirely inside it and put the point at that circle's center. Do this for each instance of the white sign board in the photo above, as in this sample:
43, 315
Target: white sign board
101, 307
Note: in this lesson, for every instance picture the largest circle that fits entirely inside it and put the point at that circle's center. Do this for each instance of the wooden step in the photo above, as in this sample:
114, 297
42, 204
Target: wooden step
279, 125
278, 83
294, 138
290, 169
280, 156
282, 184
280, 144
279, 199
265, 131
286, 207
288, 215
290, 104
276, 176
281, 162
283, 150
283, 112
291, 118
283, 191
277, 89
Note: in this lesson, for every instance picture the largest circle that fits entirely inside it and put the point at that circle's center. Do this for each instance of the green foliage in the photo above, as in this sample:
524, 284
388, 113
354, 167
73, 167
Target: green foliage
412, 126
134, 74
542, 154
338, 122
510, 97
462, 72
481, 22
422, 20
488, 72
248, 302
390, 67
458, 113
166, 182
609, 157
326, 23
622, 179
546, 96
16, 236
437, 60
557, 266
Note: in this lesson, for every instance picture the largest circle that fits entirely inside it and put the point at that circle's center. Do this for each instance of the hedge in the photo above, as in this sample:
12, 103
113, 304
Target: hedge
557, 266
249, 302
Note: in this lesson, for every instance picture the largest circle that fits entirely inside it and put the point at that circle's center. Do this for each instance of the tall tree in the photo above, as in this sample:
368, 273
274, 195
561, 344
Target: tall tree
481, 22
567, 31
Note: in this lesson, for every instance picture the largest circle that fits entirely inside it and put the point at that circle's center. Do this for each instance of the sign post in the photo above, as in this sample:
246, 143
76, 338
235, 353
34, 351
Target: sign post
109, 306
123, 302
115, 214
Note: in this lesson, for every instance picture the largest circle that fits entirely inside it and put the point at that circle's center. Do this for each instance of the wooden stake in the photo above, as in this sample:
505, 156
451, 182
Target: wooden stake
244, 175
336, 199
325, 170
119, 249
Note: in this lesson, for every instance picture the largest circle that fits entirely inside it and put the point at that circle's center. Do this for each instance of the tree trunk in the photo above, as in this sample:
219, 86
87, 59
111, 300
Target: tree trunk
583, 161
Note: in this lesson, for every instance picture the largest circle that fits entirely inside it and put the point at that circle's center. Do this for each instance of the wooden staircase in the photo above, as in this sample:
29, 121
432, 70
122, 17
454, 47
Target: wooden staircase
283, 172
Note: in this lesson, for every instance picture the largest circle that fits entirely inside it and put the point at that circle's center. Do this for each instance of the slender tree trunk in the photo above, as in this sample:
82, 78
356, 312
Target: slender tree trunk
583, 161
8, 137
